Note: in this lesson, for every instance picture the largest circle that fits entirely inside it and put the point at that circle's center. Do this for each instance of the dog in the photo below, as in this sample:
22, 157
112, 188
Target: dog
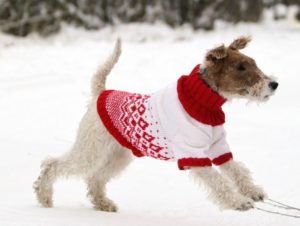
190, 115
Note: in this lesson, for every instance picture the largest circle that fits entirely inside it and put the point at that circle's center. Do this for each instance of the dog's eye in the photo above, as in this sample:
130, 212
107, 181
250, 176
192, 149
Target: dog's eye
241, 67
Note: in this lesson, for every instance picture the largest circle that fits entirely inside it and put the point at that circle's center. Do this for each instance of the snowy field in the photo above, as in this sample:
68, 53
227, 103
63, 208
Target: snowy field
44, 88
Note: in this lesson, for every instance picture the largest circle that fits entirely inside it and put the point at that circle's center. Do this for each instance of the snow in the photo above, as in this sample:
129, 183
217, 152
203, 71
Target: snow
44, 88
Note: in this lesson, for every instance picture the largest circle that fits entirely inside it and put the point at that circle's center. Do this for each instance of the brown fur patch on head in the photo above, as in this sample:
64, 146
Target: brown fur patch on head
239, 73
231, 72
240, 43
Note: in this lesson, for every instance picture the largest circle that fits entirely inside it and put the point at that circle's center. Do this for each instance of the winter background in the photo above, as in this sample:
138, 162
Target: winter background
45, 71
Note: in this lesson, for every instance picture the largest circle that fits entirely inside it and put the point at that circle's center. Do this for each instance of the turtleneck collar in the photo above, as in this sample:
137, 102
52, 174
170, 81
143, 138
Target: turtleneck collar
199, 100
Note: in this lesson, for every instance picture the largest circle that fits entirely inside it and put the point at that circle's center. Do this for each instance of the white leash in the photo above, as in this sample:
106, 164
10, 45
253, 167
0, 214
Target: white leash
277, 212
280, 204
280, 207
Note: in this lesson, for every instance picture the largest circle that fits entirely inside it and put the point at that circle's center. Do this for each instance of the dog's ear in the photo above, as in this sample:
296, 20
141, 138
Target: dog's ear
216, 54
240, 43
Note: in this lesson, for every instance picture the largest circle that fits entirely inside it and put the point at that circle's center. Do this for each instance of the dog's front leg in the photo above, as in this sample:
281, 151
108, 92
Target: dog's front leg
220, 190
241, 176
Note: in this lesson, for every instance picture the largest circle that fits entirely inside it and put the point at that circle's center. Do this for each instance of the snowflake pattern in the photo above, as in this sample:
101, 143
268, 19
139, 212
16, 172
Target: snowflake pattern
131, 115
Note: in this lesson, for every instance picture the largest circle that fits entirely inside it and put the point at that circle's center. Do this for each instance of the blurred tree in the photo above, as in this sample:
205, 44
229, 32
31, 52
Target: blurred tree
21, 17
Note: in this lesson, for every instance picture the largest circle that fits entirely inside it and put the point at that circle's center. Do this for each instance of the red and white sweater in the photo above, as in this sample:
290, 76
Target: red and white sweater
182, 122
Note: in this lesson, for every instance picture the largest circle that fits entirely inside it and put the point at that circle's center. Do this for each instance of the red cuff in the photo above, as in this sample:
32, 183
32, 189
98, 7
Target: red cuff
187, 163
222, 159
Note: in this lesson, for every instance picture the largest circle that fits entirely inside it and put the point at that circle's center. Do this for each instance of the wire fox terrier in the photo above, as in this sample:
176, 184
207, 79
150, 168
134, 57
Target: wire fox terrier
182, 122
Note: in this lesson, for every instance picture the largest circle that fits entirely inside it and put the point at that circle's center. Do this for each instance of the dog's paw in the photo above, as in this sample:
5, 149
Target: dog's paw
43, 193
255, 193
106, 205
239, 202
245, 205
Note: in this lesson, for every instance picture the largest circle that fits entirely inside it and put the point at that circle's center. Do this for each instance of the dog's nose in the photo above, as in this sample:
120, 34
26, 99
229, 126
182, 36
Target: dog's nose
273, 85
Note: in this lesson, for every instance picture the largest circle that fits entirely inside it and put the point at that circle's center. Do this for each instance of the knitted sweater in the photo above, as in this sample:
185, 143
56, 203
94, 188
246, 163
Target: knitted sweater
182, 122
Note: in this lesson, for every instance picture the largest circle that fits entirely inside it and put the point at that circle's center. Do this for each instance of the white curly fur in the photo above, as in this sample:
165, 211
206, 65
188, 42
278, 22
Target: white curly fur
97, 157
241, 177
220, 190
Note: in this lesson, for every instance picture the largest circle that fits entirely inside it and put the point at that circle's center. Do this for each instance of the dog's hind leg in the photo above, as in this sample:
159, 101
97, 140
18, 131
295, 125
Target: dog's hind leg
81, 160
89, 150
43, 185
92, 146
97, 181
51, 169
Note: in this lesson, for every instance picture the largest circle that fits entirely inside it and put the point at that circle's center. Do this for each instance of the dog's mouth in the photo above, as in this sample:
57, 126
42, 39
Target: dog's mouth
245, 93
266, 97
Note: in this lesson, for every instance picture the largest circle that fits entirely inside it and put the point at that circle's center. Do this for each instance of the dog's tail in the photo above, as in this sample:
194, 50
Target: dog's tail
99, 78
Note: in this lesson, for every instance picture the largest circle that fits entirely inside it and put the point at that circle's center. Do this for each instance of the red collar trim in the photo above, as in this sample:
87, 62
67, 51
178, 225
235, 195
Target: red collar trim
199, 100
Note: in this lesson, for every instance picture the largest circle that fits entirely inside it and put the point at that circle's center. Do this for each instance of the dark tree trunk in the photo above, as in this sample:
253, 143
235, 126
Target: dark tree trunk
21, 17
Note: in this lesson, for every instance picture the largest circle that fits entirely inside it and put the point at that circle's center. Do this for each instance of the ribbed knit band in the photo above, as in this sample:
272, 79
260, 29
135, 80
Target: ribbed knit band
222, 159
187, 163
199, 100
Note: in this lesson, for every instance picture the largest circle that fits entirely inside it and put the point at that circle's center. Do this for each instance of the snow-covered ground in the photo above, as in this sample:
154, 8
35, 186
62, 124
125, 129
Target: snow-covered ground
44, 88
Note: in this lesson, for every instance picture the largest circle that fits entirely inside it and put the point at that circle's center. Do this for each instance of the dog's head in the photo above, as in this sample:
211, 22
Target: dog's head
233, 74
